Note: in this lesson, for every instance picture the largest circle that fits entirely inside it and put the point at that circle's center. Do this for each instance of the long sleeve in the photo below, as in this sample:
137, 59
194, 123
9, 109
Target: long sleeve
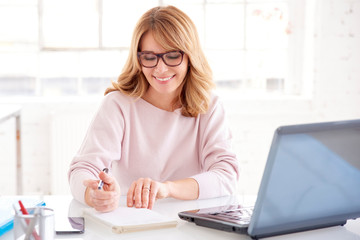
101, 146
220, 166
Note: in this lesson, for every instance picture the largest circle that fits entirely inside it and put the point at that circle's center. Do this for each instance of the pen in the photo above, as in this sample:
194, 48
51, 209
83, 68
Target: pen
31, 228
101, 183
25, 212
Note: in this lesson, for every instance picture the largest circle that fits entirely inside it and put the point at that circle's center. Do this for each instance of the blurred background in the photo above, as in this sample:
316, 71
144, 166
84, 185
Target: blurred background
274, 63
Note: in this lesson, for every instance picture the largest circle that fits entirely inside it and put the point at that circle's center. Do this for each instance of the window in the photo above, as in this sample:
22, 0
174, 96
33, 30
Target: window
76, 47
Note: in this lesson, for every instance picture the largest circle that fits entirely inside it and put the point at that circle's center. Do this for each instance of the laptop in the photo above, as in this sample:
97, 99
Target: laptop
311, 180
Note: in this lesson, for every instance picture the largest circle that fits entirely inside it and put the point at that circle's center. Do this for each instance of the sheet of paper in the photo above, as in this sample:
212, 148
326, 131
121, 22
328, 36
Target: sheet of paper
126, 219
124, 216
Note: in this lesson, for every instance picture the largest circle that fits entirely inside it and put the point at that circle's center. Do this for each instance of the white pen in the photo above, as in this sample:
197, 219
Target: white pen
31, 227
101, 183
22, 221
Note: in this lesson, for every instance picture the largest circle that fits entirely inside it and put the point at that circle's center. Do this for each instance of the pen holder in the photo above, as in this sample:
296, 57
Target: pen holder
38, 224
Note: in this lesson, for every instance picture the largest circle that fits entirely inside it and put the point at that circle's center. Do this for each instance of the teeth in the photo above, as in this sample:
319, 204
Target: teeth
164, 79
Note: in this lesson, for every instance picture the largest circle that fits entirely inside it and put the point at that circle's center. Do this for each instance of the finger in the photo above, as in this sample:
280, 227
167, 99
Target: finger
91, 183
130, 195
107, 205
104, 201
103, 195
145, 192
153, 193
138, 192
107, 208
88, 197
109, 182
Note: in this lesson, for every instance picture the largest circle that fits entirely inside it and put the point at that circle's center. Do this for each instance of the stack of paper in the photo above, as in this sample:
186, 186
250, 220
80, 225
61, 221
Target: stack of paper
124, 219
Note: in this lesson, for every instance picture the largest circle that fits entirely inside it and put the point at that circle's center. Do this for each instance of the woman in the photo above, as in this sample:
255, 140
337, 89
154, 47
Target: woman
159, 130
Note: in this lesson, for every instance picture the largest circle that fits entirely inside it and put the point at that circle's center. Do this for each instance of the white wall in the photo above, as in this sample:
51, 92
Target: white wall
335, 96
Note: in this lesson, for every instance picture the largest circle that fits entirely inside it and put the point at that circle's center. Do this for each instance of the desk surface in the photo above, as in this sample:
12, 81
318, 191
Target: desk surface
65, 205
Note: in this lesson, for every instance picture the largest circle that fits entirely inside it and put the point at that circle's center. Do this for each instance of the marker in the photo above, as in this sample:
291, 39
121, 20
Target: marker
101, 183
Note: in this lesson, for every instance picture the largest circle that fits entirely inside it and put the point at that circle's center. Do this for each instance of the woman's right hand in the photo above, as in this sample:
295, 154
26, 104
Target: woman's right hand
104, 200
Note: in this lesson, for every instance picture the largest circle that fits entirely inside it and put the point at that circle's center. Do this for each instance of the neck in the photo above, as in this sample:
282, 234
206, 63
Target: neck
162, 101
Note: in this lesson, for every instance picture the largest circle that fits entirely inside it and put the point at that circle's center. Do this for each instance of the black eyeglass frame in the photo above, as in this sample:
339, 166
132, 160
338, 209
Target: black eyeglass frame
158, 56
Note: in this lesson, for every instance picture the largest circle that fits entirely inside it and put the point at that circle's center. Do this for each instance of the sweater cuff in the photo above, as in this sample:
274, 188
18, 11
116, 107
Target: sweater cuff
209, 185
77, 186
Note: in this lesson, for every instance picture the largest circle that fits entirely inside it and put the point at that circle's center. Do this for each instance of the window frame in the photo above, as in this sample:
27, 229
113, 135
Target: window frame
298, 82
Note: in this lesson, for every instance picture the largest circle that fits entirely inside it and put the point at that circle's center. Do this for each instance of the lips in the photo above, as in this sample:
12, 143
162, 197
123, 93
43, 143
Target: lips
164, 79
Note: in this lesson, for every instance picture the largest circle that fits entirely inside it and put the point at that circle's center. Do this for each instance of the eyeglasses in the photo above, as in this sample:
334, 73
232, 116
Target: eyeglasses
150, 59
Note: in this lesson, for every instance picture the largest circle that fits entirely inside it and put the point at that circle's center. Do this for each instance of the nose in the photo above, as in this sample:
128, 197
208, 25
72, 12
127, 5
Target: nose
161, 66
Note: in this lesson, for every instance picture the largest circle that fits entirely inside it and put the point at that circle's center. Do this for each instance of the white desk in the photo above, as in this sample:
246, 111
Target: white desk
8, 111
66, 205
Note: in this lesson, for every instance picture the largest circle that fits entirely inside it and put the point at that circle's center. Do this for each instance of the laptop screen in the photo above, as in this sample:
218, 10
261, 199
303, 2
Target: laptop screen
312, 178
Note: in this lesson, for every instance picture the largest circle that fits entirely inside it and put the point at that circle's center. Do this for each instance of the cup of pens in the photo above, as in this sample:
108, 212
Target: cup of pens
34, 223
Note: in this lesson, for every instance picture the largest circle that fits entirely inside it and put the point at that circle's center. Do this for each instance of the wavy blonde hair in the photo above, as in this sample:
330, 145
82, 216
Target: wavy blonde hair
172, 29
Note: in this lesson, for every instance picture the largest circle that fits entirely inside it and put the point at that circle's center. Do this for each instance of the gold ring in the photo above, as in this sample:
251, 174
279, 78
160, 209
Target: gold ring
147, 188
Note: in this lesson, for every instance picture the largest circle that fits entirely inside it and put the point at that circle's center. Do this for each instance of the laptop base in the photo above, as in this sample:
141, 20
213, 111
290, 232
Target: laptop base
340, 223
220, 226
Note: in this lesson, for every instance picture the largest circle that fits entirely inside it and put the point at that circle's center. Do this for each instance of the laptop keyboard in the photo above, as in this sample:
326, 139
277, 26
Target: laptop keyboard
240, 215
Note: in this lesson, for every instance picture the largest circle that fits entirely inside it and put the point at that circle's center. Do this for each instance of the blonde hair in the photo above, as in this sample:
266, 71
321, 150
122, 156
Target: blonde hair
172, 29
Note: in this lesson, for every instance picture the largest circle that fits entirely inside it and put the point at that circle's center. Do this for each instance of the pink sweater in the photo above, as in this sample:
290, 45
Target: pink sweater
135, 139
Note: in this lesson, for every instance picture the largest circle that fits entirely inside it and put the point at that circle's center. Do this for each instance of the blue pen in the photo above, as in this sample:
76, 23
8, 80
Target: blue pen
101, 183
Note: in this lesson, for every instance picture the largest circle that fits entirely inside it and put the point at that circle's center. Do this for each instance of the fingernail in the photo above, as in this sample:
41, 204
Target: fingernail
138, 205
129, 204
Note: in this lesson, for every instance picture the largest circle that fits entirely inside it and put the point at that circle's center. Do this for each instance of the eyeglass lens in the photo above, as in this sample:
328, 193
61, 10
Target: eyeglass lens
171, 59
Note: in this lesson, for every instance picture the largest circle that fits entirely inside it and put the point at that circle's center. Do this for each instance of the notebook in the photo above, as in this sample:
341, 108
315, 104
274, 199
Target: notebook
7, 211
311, 180
125, 219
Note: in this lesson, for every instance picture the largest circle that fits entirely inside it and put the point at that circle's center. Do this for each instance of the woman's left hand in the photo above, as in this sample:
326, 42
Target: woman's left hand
144, 192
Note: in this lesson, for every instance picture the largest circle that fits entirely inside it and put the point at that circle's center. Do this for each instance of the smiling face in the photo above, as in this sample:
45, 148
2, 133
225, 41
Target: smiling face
164, 81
